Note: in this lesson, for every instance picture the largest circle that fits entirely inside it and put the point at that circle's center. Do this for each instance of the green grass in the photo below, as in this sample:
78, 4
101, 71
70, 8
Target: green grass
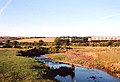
60, 58
20, 69
79, 62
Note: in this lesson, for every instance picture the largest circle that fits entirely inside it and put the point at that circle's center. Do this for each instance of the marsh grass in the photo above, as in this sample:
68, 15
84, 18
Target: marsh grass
20, 69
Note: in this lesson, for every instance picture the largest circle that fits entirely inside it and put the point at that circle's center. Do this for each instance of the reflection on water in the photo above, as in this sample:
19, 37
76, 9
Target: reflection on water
63, 73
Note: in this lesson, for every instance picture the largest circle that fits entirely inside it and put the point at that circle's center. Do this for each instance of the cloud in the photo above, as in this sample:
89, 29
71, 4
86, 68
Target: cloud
110, 16
5, 6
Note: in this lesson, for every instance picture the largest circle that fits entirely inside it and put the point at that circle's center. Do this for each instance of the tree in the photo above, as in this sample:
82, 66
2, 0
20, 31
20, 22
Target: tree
1, 43
85, 39
65, 42
7, 44
41, 42
110, 43
57, 41
8, 41
15, 43
35, 43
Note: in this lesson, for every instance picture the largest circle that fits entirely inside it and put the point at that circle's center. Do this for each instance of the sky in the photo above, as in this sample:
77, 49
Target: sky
59, 18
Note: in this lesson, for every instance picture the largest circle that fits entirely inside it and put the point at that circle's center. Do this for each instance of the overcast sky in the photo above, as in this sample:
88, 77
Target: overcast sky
59, 17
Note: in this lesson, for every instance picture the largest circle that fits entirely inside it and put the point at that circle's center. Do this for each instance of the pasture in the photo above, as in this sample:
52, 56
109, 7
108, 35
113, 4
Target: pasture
20, 69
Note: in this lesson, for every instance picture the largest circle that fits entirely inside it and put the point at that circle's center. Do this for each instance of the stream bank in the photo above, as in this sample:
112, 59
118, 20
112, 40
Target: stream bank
60, 71
89, 60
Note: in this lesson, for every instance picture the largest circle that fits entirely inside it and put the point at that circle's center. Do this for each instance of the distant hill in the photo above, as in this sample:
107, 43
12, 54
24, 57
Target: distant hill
5, 38
26, 39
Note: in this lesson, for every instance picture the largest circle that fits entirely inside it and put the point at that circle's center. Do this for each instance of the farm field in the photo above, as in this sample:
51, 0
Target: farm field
20, 69
105, 58
37, 39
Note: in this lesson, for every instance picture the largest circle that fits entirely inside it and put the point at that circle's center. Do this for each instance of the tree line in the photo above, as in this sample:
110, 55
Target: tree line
58, 43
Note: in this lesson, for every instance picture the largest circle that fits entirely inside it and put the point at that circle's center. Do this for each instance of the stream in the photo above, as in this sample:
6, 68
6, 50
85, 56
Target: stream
79, 74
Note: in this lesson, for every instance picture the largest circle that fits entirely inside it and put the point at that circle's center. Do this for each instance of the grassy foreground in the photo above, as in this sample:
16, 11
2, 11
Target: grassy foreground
20, 69
106, 58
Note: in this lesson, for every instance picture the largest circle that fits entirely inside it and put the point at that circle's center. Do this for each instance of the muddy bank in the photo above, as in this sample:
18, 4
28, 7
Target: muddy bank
64, 72
88, 60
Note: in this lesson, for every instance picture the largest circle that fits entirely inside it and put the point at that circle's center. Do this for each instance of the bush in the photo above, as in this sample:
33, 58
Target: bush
52, 50
7, 46
33, 52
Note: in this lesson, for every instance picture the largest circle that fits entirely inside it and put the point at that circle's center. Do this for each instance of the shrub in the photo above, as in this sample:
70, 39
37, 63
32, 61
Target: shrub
33, 52
7, 46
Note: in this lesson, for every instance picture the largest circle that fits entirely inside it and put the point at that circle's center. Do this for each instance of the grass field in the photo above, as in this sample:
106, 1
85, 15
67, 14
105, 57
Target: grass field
20, 69
37, 39
97, 57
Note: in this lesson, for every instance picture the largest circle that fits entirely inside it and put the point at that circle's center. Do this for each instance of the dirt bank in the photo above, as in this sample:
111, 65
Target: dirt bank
90, 60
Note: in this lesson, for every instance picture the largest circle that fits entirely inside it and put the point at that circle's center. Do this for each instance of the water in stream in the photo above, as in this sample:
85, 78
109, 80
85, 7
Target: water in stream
78, 74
